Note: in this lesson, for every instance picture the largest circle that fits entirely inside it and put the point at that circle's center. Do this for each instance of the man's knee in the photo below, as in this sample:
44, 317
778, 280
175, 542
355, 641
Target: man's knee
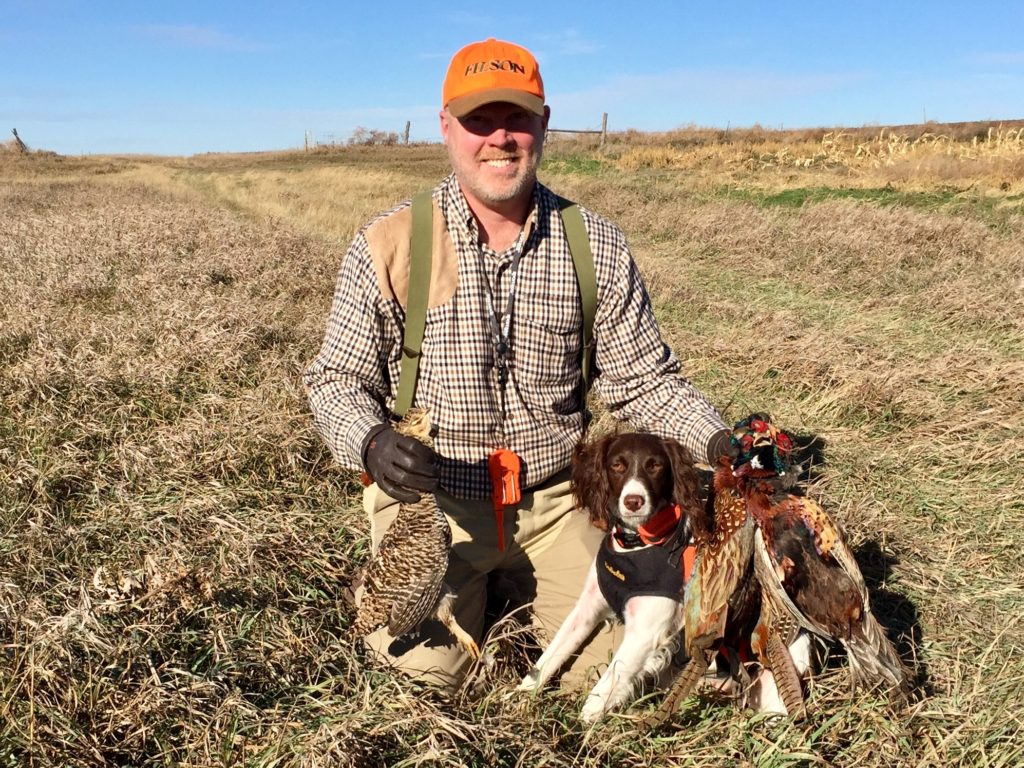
428, 655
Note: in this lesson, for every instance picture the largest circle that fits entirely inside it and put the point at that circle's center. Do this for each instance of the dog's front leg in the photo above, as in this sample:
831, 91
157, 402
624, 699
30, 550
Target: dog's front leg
589, 611
651, 624
764, 693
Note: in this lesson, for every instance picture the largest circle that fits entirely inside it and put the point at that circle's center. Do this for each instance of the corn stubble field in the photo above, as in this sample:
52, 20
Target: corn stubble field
175, 541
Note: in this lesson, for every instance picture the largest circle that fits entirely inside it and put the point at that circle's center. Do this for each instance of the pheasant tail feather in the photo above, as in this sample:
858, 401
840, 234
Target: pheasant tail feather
874, 662
681, 688
786, 677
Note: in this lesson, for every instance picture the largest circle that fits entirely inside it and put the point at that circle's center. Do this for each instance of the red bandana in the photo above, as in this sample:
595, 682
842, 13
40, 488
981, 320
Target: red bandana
657, 530
660, 525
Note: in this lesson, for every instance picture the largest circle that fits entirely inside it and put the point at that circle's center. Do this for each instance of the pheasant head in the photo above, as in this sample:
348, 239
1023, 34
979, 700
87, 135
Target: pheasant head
764, 450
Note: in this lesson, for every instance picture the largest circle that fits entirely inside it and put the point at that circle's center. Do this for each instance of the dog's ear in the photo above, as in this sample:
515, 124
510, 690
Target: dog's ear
685, 479
589, 481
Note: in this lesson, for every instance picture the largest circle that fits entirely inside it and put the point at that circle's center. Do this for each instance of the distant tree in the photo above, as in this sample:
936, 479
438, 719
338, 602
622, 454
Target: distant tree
367, 137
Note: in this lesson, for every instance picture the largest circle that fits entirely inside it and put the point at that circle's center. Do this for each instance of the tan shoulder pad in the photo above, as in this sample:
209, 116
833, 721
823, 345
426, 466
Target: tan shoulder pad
389, 240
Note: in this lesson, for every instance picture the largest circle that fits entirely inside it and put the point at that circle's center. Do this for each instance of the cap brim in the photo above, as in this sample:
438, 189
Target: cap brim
463, 105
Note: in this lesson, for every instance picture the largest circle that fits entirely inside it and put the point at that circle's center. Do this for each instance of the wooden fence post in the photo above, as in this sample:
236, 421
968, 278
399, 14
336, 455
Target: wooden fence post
405, 136
604, 127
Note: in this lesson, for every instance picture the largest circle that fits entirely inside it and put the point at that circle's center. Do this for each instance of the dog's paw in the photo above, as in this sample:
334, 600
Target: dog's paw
593, 709
531, 682
764, 695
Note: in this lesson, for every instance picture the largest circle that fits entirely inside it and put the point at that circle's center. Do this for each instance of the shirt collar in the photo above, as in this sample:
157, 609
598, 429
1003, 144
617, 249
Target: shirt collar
458, 213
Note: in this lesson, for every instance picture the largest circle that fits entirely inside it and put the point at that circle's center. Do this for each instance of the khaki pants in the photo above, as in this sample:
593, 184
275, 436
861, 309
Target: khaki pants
549, 548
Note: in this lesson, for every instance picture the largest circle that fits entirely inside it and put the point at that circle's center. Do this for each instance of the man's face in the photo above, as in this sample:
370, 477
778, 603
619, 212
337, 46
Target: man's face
495, 150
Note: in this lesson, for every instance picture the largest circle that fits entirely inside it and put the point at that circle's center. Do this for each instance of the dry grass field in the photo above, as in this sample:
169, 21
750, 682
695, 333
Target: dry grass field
175, 540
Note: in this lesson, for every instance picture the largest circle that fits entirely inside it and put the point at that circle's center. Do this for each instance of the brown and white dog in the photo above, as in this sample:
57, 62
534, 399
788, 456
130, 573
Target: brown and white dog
640, 488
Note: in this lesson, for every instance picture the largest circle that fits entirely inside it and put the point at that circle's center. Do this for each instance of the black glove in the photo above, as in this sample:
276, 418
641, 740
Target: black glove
721, 444
401, 465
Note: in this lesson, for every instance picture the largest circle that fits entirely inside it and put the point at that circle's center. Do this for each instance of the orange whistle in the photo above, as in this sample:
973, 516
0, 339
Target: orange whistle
504, 467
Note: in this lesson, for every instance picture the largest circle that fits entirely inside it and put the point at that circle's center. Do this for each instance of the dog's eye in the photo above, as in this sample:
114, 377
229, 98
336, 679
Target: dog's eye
618, 465
654, 466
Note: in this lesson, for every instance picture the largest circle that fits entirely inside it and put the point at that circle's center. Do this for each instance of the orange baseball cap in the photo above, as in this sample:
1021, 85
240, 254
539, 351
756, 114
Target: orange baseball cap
489, 71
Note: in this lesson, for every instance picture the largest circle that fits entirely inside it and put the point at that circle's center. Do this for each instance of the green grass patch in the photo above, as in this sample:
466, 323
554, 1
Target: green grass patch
574, 164
997, 212
883, 196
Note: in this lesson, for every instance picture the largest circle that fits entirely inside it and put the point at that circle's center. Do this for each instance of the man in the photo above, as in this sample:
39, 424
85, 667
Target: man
500, 368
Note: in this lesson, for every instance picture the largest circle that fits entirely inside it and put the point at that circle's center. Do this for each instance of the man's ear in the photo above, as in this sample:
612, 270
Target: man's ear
444, 118
547, 117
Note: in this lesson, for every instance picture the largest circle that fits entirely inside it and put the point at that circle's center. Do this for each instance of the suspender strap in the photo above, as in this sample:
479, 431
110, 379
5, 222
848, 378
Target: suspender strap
419, 289
586, 278
416, 304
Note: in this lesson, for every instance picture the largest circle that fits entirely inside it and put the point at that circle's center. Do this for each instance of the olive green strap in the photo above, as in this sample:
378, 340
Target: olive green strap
586, 277
416, 303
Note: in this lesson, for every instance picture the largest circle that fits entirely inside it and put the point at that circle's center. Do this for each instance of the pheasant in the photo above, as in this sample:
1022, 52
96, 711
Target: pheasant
404, 583
726, 607
804, 563
802, 579
719, 595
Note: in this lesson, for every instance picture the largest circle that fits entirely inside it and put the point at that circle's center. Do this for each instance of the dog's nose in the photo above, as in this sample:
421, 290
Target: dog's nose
633, 502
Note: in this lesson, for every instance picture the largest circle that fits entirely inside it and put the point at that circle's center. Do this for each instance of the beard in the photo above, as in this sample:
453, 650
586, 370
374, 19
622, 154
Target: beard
491, 188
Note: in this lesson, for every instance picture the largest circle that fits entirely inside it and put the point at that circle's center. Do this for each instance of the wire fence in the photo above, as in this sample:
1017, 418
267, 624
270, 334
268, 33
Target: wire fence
603, 132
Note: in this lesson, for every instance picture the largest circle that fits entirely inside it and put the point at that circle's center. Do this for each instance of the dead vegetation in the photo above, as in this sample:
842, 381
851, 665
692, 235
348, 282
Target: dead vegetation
979, 156
175, 540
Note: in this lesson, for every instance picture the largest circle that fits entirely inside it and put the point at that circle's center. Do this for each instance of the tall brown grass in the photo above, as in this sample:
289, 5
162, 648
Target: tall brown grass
175, 540
982, 155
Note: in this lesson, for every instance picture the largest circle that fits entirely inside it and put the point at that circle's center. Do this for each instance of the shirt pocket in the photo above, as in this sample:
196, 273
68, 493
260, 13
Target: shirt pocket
547, 358
547, 341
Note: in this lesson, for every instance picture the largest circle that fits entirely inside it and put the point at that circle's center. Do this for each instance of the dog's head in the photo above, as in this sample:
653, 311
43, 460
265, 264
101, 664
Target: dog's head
627, 478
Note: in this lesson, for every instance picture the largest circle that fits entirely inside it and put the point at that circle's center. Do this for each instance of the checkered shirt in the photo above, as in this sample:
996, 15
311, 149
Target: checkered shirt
352, 382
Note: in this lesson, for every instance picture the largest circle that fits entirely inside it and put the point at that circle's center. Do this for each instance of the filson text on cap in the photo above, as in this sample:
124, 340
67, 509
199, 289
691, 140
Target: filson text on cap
488, 66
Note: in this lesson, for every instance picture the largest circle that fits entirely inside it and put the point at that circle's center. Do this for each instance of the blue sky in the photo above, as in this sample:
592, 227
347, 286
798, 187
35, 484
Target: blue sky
187, 77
